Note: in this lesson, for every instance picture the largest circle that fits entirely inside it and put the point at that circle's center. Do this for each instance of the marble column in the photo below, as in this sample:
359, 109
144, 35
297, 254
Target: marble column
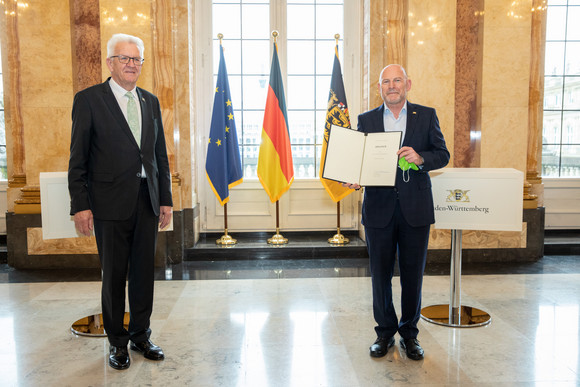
164, 80
86, 43
468, 82
534, 189
386, 42
13, 102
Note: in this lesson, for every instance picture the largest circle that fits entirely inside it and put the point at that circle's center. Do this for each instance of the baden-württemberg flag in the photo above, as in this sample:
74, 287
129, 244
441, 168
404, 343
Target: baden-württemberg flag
275, 167
223, 167
336, 114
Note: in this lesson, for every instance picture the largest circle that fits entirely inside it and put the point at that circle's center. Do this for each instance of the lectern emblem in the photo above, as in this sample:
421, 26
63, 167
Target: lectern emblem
457, 195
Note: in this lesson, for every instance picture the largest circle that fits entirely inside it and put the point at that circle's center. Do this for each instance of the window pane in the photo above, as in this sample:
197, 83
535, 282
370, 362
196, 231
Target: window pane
300, 57
572, 93
551, 130
256, 57
250, 157
253, 121
325, 56
255, 21
320, 122
317, 160
573, 32
570, 161
226, 20
303, 157
322, 90
255, 91
2, 129
235, 88
570, 125
300, 92
554, 58
301, 127
551, 160
300, 21
232, 54
328, 21
556, 24
573, 58
553, 87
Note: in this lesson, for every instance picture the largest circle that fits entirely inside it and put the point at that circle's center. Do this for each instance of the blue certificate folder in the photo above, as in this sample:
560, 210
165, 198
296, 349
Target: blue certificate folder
368, 159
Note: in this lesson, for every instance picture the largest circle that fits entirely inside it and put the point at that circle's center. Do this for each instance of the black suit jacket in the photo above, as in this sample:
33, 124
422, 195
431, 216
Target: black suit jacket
424, 135
105, 161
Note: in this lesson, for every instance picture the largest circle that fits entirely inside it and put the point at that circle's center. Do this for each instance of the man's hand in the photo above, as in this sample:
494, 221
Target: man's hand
410, 155
351, 185
165, 213
84, 222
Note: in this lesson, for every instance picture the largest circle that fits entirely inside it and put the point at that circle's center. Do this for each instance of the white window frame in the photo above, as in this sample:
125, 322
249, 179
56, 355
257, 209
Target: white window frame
306, 206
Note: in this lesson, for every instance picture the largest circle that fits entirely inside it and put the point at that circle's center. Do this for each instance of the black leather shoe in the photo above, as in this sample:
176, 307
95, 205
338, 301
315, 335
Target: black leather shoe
148, 349
119, 357
381, 346
413, 349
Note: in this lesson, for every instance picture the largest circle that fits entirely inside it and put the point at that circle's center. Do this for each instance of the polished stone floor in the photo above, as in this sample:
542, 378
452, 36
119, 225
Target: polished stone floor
297, 323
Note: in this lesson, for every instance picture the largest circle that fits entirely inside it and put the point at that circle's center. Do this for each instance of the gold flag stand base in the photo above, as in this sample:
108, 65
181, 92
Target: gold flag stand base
93, 325
338, 239
226, 239
277, 239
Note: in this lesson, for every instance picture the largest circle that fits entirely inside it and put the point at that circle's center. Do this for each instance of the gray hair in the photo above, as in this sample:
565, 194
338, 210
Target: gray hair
124, 38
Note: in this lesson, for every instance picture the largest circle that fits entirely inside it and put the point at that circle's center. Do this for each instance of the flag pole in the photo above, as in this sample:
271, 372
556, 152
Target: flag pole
226, 239
338, 238
277, 239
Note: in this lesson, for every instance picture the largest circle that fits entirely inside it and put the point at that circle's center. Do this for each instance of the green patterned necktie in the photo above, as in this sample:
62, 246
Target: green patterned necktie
133, 118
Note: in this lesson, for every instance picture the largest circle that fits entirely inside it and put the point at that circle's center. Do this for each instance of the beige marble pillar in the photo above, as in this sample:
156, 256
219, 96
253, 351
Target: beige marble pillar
386, 42
468, 83
86, 43
534, 189
12, 101
164, 80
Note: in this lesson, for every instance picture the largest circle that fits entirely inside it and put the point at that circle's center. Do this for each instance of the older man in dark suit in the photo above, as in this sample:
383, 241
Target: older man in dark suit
120, 185
397, 219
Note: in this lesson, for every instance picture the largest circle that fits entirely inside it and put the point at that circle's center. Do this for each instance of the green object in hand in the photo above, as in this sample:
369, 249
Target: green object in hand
405, 165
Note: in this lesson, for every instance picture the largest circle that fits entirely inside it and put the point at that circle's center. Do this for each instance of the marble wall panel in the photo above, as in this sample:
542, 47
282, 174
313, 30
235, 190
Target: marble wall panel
46, 125
504, 137
505, 87
131, 17
431, 59
46, 85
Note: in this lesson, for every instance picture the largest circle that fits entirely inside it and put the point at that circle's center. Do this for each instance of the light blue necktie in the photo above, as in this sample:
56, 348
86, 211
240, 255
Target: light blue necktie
133, 117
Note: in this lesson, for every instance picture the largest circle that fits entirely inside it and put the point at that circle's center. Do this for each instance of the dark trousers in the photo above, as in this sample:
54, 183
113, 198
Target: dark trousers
127, 252
410, 244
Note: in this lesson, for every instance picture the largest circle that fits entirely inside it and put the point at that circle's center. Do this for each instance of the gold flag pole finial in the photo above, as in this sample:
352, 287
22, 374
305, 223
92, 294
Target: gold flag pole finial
220, 36
275, 36
336, 37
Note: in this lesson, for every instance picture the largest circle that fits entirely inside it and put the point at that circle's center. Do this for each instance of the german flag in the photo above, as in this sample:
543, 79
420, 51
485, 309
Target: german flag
275, 167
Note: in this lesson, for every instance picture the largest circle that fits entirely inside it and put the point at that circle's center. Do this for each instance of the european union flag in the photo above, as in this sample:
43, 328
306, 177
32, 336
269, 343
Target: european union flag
223, 166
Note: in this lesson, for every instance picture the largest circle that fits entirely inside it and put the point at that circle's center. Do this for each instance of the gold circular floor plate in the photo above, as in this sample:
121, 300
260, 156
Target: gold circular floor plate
470, 317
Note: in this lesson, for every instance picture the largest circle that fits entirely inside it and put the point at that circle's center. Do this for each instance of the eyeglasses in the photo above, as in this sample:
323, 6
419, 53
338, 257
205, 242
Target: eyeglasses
125, 59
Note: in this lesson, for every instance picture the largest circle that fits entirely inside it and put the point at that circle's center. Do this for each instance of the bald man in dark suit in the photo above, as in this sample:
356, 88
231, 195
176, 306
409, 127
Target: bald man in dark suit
397, 219
120, 187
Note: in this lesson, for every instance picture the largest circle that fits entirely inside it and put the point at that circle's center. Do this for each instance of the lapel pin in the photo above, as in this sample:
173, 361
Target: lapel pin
414, 112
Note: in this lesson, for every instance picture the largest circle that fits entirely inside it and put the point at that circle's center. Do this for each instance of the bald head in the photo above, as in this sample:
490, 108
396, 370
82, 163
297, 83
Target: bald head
393, 86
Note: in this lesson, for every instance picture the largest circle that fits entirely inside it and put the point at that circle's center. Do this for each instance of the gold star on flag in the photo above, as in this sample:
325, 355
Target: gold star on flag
216, 89
219, 142
229, 103
230, 116
227, 129
209, 140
